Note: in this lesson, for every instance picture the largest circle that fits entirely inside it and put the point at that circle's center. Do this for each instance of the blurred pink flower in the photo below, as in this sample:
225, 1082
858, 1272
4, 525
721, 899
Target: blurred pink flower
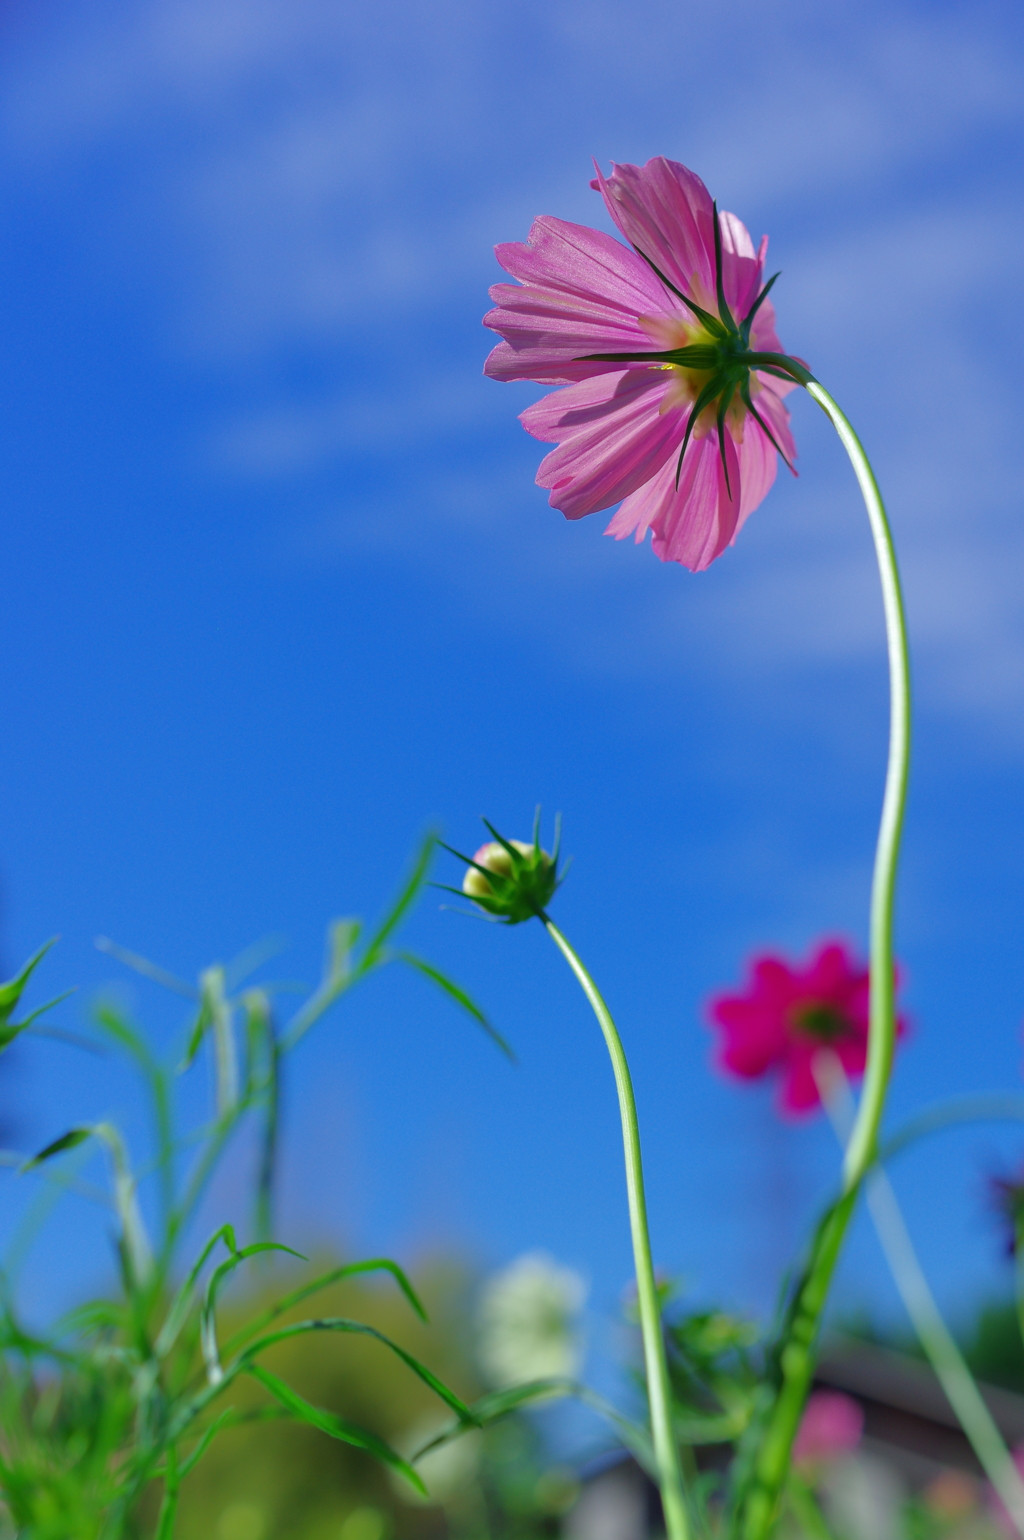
786, 1015
659, 411
996, 1505
832, 1425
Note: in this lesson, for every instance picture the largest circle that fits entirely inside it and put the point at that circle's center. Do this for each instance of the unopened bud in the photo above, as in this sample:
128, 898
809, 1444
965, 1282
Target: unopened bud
512, 883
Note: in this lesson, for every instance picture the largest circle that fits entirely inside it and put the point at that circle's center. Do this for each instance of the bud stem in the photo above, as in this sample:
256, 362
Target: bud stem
666, 1450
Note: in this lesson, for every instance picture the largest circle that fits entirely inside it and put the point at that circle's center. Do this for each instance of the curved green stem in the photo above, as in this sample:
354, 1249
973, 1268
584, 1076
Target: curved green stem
759, 1500
860, 1150
666, 1451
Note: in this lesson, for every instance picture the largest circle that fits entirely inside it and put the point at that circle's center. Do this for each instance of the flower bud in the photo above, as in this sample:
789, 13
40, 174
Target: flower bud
512, 881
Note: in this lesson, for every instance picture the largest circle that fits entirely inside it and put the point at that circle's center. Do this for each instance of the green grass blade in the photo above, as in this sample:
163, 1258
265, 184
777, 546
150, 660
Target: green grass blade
500, 1403
12, 991
9, 1030
359, 1328
124, 1034
204, 1019
375, 946
336, 1274
208, 1321
66, 1141
192, 1460
460, 997
342, 936
148, 969
182, 1302
121, 1031
334, 1426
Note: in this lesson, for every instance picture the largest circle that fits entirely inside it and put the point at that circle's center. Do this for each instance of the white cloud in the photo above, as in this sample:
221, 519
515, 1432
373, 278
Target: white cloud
319, 175
313, 163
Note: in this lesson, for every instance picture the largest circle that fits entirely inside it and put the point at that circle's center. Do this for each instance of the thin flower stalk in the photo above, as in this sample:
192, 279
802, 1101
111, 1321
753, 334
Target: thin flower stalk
666, 1451
933, 1334
797, 1353
672, 404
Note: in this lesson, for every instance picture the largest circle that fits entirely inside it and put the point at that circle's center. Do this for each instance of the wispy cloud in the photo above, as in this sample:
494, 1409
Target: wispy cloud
330, 180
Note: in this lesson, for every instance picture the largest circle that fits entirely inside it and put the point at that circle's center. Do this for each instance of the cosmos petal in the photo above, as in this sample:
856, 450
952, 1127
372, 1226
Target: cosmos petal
612, 437
620, 422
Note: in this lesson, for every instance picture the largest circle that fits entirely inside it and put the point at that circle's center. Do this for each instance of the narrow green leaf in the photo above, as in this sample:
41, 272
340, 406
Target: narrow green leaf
169, 1506
342, 936
9, 1030
65, 1142
500, 1403
359, 1328
405, 898
204, 1016
12, 991
334, 1426
177, 1315
124, 1034
336, 1274
192, 1460
460, 997
208, 1323
222, 1028
146, 968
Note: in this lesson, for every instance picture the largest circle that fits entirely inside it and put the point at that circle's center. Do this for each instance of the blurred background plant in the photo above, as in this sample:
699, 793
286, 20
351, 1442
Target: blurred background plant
103, 1416
174, 1405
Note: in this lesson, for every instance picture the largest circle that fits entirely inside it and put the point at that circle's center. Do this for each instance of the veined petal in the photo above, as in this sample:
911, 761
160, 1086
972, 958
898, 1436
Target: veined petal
695, 523
758, 463
742, 266
581, 293
612, 438
665, 211
583, 262
775, 414
618, 424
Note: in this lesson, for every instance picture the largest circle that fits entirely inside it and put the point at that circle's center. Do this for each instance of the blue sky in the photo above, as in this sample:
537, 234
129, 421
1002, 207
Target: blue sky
280, 593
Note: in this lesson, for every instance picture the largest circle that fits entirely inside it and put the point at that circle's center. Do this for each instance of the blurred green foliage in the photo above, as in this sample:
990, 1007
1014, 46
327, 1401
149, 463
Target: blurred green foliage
103, 1418
286, 1481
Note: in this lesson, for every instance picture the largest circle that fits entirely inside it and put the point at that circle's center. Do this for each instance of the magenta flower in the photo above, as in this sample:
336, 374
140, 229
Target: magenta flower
674, 375
832, 1425
787, 1015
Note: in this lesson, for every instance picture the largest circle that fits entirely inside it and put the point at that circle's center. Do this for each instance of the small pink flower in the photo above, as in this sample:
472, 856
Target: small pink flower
832, 1425
996, 1505
787, 1015
660, 411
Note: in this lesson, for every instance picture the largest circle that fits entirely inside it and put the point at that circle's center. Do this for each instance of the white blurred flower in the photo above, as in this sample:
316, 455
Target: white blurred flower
528, 1322
864, 1498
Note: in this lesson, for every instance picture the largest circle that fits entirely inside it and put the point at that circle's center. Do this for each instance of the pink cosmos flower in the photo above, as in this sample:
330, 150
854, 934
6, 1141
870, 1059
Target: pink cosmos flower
673, 374
787, 1015
996, 1505
832, 1425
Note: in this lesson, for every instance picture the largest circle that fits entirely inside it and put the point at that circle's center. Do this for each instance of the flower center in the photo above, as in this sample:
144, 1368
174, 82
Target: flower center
719, 361
825, 1023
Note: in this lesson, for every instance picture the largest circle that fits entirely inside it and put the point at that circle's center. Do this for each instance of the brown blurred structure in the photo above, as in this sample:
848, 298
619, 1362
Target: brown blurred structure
911, 1434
